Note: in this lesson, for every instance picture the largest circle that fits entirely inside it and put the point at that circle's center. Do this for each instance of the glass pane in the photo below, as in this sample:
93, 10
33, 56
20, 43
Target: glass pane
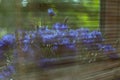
52, 39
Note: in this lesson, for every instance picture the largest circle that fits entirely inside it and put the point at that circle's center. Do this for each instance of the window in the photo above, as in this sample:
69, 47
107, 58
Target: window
59, 39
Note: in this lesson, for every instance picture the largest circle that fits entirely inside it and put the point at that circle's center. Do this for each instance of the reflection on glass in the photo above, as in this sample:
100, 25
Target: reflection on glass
42, 38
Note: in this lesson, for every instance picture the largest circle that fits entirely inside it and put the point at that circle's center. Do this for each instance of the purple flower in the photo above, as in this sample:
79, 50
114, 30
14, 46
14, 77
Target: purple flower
55, 47
107, 48
48, 36
83, 30
26, 41
11, 68
25, 48
60, 26
110, 51
71, 47
97, 36
86, 39
90, 39
8, 71
2, 77
64, 46
56, 26
63, 27
27, 37
73, 34
64, 41
9, 39
2, 44
51, 12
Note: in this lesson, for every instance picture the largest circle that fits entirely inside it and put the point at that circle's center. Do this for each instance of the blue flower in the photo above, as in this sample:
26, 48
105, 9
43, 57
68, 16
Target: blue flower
56, 26
55, 47
8, 71
9, 39
73, 34
107, 48
64, 46
86, 38
90, 39
63, 27
26, 41
64, 41
60, 26
25, 48
2, 77
71, 47
11, 68
33, 35
27, 37
110, 51
2, 44
48, 37
83, 30
51, 12
97, 36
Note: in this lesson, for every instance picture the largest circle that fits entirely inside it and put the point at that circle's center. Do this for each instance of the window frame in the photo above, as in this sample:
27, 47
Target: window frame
110, 20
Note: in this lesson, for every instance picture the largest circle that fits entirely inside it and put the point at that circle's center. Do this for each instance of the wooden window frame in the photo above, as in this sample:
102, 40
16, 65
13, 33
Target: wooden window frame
110, 20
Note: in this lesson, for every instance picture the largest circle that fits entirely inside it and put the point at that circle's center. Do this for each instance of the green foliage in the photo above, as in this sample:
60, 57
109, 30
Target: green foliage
90, 15
81, 13
2, 32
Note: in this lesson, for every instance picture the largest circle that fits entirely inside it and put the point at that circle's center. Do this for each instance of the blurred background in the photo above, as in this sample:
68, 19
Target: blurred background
26, 14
